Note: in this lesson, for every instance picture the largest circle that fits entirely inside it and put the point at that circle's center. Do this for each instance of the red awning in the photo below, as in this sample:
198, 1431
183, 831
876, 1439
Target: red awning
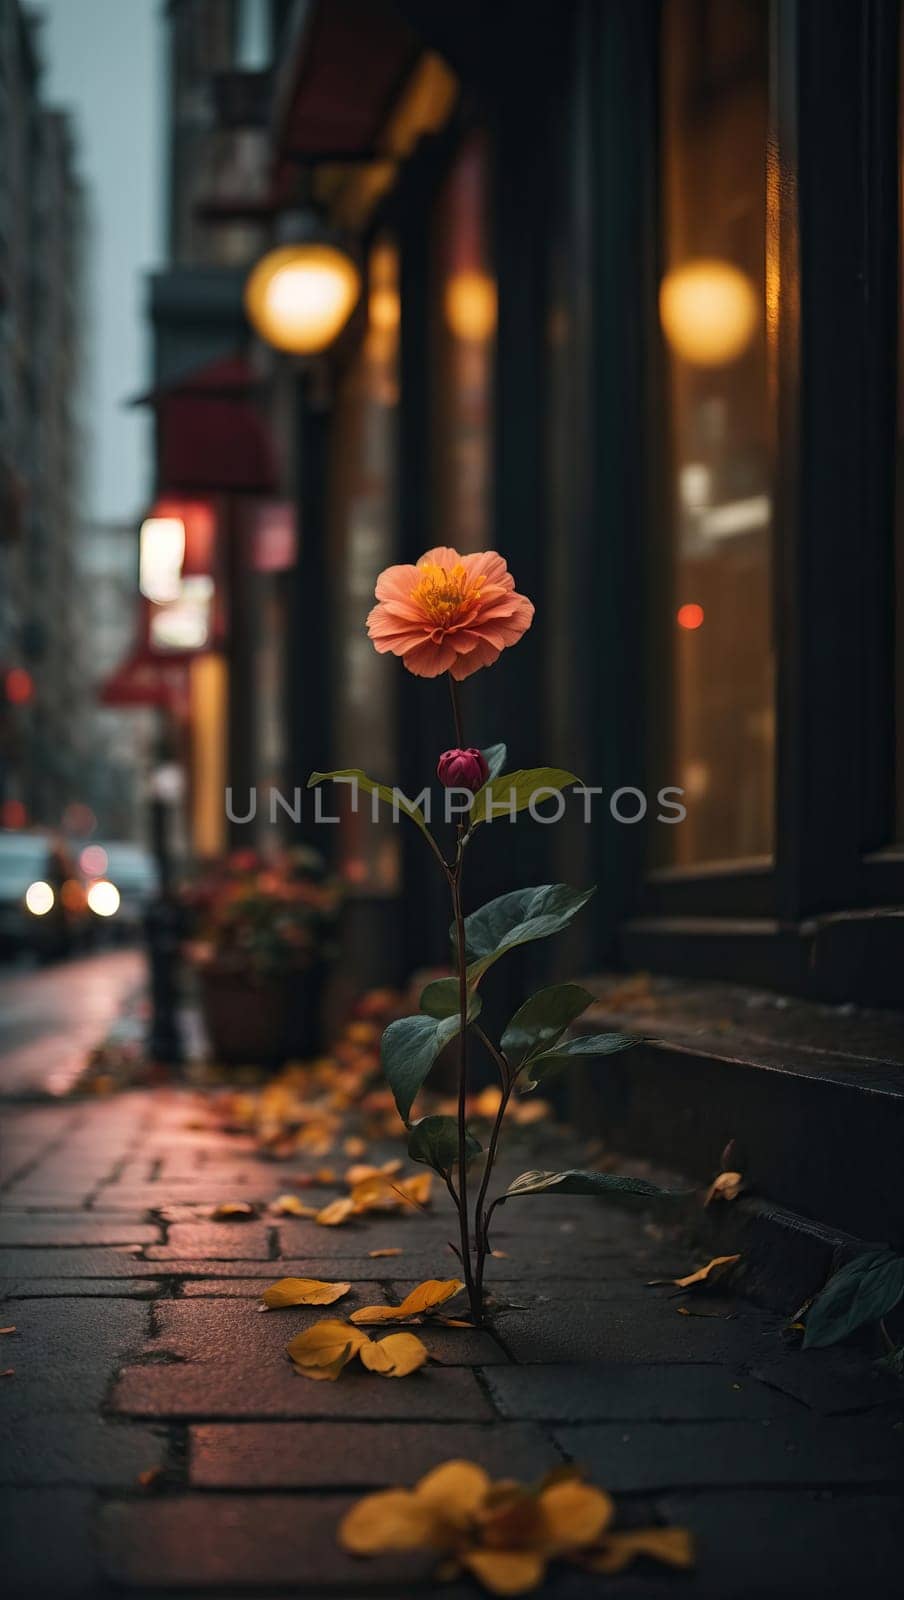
210, 436
341, 79
146, 680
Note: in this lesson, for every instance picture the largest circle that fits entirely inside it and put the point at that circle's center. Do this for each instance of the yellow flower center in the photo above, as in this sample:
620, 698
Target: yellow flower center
443, 594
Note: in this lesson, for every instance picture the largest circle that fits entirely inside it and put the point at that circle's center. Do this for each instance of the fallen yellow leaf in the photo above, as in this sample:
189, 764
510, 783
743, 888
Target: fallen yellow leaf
327, 1348
323, 1351
711, 1273
673, 1546
232, 1211
337, 1212
504, 1534
11, 1329
391, 1250
354, 1147
289, 1205
358, 1173
428, 1296
395, 1356
302, 1292
727, 1186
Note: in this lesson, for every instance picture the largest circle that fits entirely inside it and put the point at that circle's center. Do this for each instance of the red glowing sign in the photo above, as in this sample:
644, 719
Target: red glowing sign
19, 686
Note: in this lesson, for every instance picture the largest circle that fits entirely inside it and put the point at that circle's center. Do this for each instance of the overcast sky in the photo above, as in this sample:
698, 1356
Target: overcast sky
103, 61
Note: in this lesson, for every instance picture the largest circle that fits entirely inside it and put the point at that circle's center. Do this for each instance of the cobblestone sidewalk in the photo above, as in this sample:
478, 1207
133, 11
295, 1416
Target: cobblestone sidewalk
138, 1346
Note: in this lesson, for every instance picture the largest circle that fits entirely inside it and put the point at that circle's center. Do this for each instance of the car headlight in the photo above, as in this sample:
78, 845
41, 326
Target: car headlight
39, 898
103, 898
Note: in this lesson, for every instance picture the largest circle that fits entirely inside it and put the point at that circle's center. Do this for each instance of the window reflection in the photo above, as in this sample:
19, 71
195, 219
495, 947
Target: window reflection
716, 683
463, 328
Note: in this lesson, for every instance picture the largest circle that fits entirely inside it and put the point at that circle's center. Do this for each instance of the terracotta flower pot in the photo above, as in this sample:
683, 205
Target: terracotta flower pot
258, 1020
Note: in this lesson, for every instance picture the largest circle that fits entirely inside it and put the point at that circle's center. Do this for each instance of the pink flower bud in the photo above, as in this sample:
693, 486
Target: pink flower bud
462, 769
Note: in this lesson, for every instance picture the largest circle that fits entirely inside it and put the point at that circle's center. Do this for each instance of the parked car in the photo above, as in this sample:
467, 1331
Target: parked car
122, 880
42, 900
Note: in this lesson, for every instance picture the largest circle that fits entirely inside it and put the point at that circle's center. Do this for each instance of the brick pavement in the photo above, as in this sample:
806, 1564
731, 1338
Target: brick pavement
139, 1346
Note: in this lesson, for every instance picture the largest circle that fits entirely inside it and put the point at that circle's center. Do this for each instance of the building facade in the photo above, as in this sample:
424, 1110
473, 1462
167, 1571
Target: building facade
45, 742
630, 316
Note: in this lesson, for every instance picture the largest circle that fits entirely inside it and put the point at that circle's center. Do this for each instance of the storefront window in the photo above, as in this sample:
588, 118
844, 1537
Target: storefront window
362, 522
463, 330
713, 564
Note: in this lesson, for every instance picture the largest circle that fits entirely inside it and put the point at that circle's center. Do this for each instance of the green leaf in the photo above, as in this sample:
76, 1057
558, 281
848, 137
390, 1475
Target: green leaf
542, 1020
434, 1141
597, 1183
370, 786
518, 918
440, 998
409, 1048
548, 1062
495, 756
866, 1290
508, 793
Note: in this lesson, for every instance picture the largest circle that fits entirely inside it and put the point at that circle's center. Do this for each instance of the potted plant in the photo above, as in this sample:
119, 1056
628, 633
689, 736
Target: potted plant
264, 933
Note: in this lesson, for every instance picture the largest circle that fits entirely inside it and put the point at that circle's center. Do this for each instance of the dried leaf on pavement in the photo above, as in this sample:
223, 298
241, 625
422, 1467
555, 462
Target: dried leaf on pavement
337, 1212
289, 1205
427, 1296
323, 1352
232, 1211
504, 1534
709, 1275
727, 1186
395, 1356
391, 1250
303, 1292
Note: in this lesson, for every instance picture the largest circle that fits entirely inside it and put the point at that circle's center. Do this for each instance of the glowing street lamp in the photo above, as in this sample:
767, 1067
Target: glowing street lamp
300, 295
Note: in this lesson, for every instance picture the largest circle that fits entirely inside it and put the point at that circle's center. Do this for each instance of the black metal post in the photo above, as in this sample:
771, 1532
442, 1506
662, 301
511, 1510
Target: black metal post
163, 930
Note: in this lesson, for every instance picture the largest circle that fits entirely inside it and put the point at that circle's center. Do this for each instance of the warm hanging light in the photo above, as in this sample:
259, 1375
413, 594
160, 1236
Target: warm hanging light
301, 294
709, 311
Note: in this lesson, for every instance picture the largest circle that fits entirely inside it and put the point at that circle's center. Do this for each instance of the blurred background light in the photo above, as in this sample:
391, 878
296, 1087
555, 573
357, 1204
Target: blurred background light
39, 898
709, 311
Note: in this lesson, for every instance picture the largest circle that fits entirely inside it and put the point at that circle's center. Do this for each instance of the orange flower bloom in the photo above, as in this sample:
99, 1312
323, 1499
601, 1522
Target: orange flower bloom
450, 613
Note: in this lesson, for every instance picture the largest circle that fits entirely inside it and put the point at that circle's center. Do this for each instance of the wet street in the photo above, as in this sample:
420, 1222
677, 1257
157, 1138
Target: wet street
51, 1017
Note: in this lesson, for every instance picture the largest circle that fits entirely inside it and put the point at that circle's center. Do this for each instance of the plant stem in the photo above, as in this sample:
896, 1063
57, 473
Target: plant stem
455, 874
481, 1222
473, 1298
456, 713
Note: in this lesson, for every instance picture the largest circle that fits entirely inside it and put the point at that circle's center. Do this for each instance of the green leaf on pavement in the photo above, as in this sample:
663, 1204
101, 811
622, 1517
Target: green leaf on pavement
866, 1290
390, 797
546, 1063
434, 1141
504, 795
518, 918
409, 1048
542, 1020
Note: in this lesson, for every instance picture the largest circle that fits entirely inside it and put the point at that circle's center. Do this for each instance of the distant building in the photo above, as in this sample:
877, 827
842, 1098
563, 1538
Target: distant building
45, 718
